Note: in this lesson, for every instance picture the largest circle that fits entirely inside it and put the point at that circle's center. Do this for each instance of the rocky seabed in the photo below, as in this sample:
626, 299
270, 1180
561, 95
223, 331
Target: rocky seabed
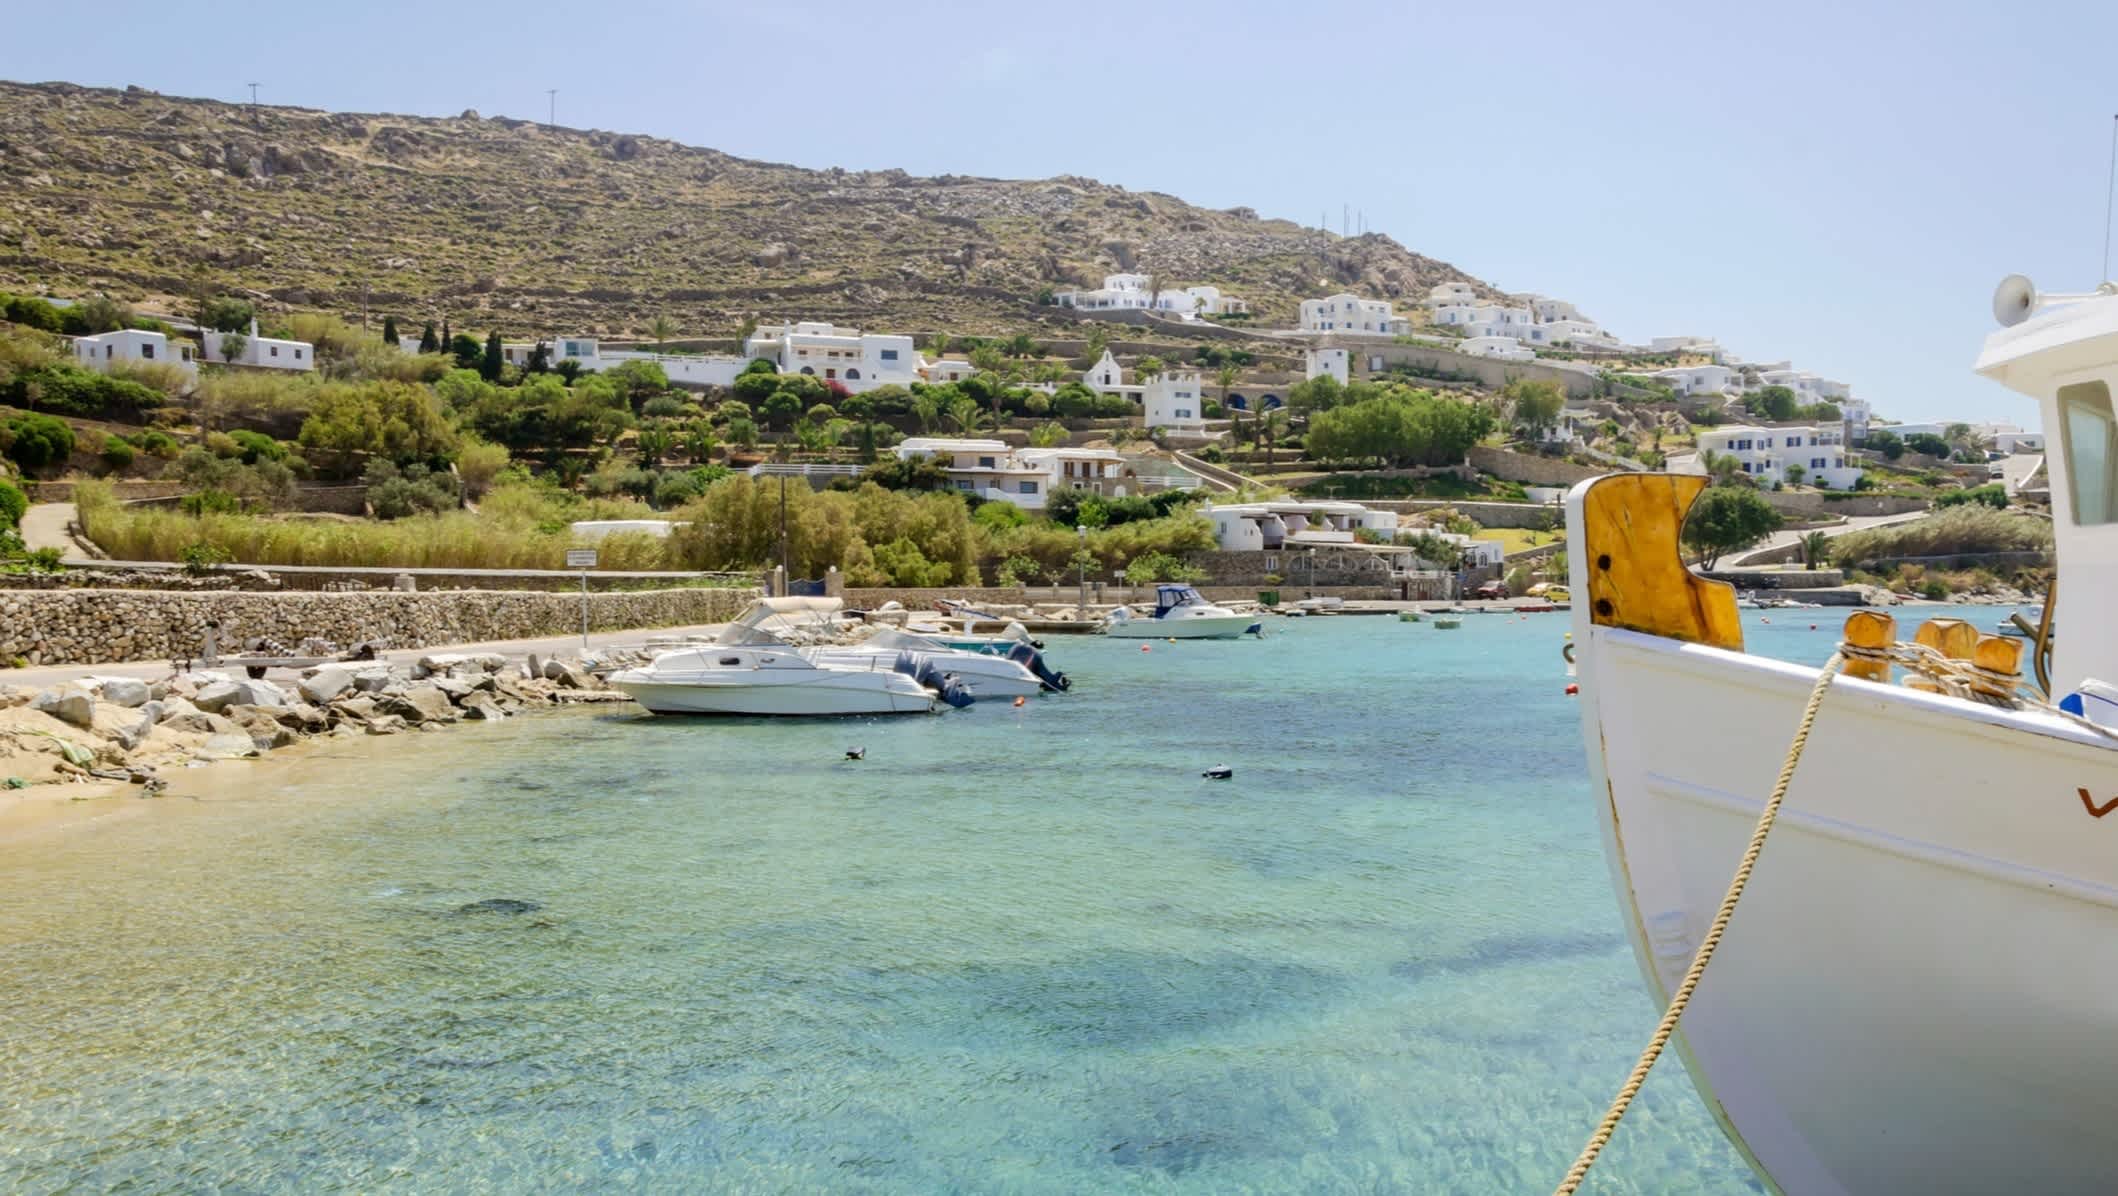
47, 627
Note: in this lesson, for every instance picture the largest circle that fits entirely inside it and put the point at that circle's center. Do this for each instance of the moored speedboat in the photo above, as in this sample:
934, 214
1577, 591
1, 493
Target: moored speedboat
1018, 675
1918, 991
719, 679
1180, 613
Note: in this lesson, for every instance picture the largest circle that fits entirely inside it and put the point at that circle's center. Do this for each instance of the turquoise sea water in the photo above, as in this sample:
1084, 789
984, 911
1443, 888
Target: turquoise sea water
1011, 951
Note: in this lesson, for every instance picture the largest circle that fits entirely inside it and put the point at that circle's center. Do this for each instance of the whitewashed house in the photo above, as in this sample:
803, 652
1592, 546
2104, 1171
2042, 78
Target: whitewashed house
1352, 314
1704, 346
682, 369
1504, 348
132, 345
1240, 527
1547, 309
2005, 438
1856, 413
1174, 399
1027, 477
860, 361
1131, 291
1765, 452
1445, 294
260, 352
1334, 362
947, 369
1699, 379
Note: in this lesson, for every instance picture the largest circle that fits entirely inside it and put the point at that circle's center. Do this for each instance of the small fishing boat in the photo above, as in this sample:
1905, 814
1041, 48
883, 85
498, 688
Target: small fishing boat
1181, 613
1448, 623
1410, 616
750, 680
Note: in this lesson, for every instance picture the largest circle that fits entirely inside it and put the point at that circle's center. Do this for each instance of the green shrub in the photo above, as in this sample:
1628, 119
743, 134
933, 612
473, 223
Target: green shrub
70, 390
210, 502
34, 441
157, 443
200, 558
118, 452
12, 504
255, 446
395, 493
1993, 495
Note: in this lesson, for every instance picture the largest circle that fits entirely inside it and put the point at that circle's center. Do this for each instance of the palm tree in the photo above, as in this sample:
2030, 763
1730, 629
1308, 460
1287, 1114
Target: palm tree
1816, 549
1722, 467
964, 412
926, 408
1270, 424
662, 328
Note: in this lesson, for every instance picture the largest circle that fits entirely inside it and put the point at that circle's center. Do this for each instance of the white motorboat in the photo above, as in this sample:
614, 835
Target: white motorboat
1180, 613
984, 674
1918, 991
753, 680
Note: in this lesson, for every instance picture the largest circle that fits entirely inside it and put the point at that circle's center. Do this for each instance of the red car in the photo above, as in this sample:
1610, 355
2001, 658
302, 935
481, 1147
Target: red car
1492, 589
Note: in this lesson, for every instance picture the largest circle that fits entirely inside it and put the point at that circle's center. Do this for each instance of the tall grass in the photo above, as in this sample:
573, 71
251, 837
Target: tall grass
526, 532
1953, 532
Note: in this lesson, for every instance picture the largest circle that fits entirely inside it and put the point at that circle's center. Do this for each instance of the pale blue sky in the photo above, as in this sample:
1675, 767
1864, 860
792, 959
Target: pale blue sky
1839, 184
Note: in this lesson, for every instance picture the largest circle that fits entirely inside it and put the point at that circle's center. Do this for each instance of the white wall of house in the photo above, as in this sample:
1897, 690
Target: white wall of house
682, 369
102, 351
262, 352
860, 361
1351, 313
1765, 453
1443, 294
1129, 291
1699, 379
1289, 524
1026, 477
1328, 361
1506, 348
1175, 399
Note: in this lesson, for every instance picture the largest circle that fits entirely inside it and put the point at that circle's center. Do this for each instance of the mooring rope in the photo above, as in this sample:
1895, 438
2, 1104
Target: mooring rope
1682, 997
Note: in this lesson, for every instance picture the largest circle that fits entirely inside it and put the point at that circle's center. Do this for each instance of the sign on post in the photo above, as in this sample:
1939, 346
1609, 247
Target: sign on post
583, 559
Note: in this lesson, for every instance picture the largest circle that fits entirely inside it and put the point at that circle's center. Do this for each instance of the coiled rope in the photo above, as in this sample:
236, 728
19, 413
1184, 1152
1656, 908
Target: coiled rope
1682, 997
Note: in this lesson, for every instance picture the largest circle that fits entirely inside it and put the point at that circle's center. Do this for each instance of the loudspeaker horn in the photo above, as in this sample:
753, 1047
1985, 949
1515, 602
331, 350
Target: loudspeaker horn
2014, 300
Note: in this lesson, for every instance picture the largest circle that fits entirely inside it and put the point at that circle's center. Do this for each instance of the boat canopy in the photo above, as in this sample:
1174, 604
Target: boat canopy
770, 619
1171, 596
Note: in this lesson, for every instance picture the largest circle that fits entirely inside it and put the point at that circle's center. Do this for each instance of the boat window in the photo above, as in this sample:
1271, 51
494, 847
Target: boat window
2091, 432
727, 660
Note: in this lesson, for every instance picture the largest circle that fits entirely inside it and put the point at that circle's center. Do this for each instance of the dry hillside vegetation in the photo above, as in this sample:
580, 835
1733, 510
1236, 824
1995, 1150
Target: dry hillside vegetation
146, 196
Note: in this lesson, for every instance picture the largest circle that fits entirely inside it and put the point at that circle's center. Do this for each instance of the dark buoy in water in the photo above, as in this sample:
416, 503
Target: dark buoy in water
1219, 772
859, 753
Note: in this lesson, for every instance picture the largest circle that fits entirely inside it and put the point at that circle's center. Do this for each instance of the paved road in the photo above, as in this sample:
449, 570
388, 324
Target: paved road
2016, 469
44, 526
1788, 538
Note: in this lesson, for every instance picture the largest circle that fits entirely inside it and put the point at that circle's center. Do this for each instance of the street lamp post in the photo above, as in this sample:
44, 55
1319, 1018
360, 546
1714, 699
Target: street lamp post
1081, 564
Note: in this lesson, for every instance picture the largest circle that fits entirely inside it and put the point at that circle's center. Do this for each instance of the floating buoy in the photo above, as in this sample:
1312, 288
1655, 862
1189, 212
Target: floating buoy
1572, 690
1147, 647
859, 753
1764, 620
1812, 627
1219, 772
1020, 700
1172, 639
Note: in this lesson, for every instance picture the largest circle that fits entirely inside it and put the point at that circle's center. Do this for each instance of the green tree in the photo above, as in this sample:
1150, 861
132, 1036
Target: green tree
1795, 473
101, 313
469, 354
662, 328
1271, 425
1148, 368
494, 358
1312, 395
1723, 468
1816, 550
396, 421
227, 314
1776, 403
1727, 518
428, 341
1535, 405
1885, 443
927, 406
389, 331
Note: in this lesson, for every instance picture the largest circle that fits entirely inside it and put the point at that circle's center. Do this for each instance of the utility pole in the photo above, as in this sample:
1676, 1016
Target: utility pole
552, 94
783, 528
364, 307
253, 107
1345, 219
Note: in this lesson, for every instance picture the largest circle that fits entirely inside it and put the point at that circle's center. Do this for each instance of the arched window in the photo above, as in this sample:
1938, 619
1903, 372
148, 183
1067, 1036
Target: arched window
1238, 402
852, 375
1272, 401
809, 370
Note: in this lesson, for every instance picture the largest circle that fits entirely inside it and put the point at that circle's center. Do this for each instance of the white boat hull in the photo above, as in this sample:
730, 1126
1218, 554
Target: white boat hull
1919, 991
854, 694
985, 676
1205, 627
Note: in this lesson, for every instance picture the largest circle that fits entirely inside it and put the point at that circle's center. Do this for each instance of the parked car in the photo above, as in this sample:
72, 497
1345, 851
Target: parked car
1491, 589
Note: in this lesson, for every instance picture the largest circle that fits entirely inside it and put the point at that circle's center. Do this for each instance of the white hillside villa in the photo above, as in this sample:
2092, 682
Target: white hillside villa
1524, 323
1765, 453
1703, 346
104, 350
1131, 291
1503, 348
1700, 379
2004, 438
1175, 398
1334, 362
1351, 313
262, 352
682, 369
1444, 294
1240, 527
1026, 477
846, 355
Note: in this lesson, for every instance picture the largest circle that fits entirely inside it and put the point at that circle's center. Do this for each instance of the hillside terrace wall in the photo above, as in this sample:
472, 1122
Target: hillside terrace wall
107, 626
1806, 502
157, 576
1530, 470
1490, 373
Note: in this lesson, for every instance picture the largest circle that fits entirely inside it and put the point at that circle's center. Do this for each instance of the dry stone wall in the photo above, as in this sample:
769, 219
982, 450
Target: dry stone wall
103, 626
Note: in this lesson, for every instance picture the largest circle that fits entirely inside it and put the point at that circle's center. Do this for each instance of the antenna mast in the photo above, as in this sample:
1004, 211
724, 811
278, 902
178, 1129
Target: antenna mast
2110, 187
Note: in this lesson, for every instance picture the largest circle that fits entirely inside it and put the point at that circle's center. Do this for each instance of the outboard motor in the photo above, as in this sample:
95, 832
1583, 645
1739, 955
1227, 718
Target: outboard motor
946, 685
1033, 660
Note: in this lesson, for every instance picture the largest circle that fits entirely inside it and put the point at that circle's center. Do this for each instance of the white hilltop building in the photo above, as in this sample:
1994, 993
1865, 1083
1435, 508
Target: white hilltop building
1533, 321
2005, 438
1502, 348
1700, 379
1295, 525
134, 346
261, 352
861, 361
1703, 346
1445, 294
1026, 477
682, 369
1353, 314
1121, 292
1765, 451
1335, 362
1175, 398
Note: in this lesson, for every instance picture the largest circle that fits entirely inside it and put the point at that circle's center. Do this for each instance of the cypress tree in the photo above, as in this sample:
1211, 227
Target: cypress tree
428, 342
446, 339
495, 357
389, 331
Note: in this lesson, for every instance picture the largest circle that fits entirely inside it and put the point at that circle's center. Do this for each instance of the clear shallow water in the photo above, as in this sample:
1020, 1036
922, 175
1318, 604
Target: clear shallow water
1011, 951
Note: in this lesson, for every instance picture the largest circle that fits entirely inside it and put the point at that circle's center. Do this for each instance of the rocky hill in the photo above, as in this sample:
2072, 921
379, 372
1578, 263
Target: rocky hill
509, 223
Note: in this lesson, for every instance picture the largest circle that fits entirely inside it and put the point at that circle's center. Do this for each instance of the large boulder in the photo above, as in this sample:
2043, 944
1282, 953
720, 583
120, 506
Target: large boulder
198, 722
325, 683
419, 704
373, 680
215, 698
569, 674
480, 705
67, 703
301, 716
123, 691
227, 745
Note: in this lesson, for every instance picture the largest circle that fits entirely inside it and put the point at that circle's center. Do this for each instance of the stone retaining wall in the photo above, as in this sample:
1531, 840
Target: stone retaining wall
1807, 502
1529, 469
102, 626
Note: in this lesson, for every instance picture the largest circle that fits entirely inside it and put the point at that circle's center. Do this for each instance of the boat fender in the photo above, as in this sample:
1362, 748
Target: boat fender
1021, 701
1256, 629
1147, 647
1573, 690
